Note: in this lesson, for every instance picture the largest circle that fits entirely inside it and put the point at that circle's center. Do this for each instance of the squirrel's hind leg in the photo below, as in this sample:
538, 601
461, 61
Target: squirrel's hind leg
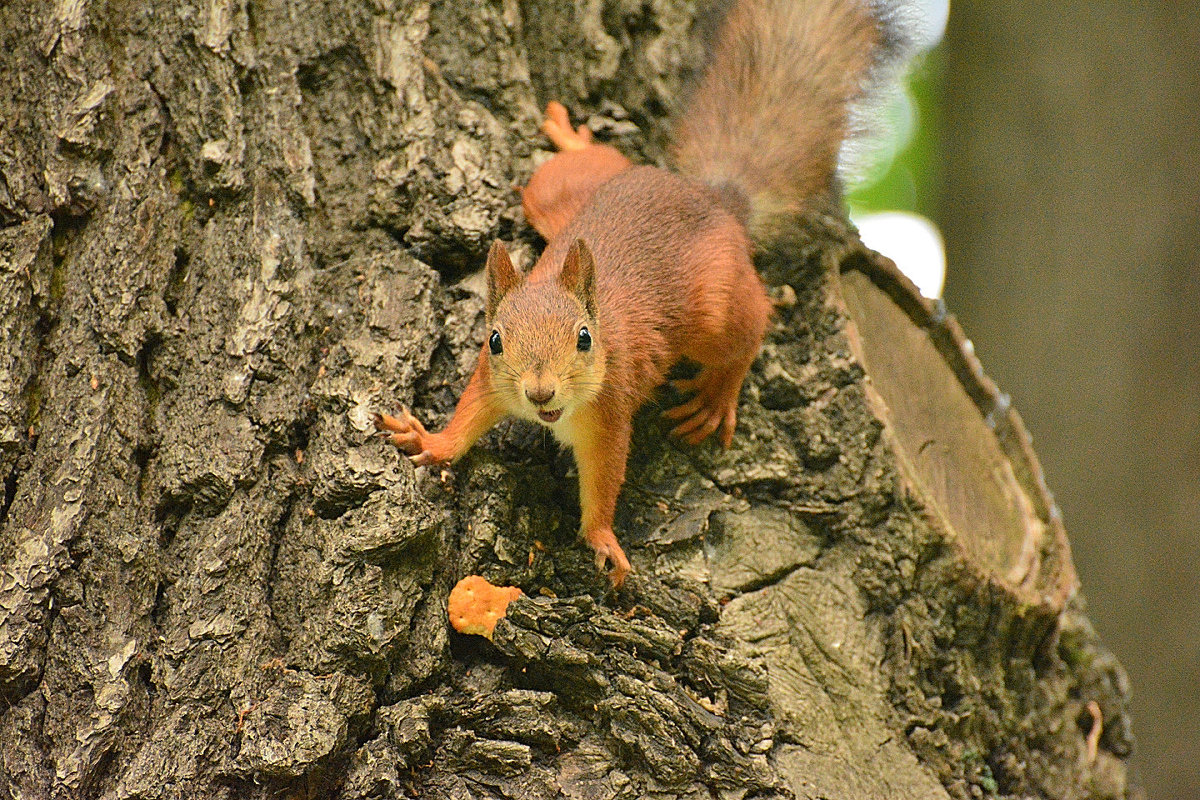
729, 320
563, 185
714, 406
557, 127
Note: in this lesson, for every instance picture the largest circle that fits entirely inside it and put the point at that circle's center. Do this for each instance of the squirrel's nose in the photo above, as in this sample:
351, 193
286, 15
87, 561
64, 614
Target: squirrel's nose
539, 396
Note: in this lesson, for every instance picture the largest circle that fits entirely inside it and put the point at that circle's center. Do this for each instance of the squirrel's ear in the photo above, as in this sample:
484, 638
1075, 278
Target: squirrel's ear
502, 277
578, 275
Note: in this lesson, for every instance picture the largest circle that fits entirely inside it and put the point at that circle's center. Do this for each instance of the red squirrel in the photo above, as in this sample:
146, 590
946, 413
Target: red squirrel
646, 266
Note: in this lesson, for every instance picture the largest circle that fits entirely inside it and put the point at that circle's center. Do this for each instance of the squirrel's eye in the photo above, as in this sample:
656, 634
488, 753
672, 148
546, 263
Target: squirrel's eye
585, 339
494, 343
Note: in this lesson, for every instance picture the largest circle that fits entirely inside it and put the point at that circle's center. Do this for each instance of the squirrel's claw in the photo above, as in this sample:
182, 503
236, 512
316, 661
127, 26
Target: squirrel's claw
423, 458
618, 573
709, 410
695, 429
701, 425
408, 442
557, 127
685, 409
404, 424
608, 550
408, 435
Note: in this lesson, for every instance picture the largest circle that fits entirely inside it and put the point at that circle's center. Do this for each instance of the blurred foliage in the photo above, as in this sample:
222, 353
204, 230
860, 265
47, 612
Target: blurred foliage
905, 171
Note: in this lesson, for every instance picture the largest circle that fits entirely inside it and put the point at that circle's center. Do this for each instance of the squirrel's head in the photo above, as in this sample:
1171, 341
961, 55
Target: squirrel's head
546, 352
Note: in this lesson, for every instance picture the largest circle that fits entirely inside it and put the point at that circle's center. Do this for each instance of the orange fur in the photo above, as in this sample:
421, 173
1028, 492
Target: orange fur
657, 269
645, 267
477, 411
564, 184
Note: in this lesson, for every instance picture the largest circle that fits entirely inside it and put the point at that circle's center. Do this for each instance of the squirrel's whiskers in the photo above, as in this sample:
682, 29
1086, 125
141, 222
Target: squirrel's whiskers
644, 267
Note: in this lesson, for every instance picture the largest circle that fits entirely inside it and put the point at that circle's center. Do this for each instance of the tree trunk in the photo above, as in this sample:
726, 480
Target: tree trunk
232, 232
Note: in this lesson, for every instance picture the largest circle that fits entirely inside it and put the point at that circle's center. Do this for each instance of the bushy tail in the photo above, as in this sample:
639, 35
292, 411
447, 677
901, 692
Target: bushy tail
767, 119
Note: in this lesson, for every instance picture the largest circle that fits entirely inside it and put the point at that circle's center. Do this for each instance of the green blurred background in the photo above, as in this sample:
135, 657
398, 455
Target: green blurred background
1058, 152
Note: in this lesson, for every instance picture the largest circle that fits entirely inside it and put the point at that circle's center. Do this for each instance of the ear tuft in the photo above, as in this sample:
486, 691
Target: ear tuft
578, 275
502, 277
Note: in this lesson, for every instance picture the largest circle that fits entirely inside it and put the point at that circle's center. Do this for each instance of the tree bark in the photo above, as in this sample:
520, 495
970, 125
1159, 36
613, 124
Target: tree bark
234, 231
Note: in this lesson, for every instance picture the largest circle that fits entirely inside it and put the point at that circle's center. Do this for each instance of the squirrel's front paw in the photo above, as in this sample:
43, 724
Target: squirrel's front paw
608, 549
410, 436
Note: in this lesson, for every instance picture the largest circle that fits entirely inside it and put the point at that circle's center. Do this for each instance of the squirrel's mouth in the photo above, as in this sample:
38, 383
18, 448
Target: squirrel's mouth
550, 416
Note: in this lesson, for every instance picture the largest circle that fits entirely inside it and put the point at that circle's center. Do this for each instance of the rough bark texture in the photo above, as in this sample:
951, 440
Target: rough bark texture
232, 231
